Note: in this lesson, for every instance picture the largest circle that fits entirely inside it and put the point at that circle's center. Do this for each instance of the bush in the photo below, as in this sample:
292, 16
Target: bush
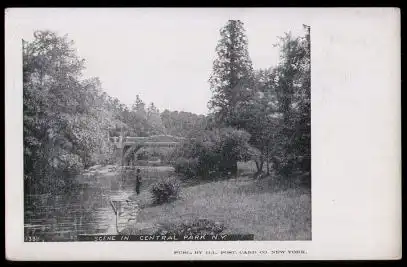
186, 167
165, 191
214, 153
194, 227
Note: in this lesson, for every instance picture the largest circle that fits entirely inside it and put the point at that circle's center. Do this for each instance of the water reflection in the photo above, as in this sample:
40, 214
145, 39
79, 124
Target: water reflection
85, 209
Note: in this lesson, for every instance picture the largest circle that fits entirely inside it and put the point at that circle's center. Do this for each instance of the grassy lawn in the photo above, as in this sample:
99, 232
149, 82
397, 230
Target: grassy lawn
261, 207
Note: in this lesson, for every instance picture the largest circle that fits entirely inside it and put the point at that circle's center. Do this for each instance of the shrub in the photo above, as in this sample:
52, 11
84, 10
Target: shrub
186, 167
165, 190
194, 227
214, 153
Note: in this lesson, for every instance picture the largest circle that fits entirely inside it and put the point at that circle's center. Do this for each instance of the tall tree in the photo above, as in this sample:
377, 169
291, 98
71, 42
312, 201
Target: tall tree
232, 76
258, 117
293, 92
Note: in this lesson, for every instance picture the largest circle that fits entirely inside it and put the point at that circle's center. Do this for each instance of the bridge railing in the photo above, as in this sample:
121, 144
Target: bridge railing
135, 139
161, 144
119, 141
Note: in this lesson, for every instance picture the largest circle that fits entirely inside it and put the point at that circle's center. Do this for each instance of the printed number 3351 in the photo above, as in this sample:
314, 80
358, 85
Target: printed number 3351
31, 239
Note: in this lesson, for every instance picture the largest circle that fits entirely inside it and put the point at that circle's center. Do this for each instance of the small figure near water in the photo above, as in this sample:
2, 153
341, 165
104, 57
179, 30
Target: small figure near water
138, 181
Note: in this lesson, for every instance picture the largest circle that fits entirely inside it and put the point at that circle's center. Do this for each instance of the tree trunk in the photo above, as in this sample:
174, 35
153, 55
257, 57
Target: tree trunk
234, 168
268, 160
268, 167
259, 165
276, 163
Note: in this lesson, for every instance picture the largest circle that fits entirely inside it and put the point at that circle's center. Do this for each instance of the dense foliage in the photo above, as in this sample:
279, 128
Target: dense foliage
184, 124
213, 153
165, 190
65, 116
272, 104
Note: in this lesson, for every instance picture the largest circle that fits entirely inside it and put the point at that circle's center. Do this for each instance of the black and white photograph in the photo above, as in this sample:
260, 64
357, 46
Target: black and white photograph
167, 128
202, 134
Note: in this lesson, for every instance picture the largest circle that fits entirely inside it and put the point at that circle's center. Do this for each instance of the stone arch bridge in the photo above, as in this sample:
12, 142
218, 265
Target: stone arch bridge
128, 146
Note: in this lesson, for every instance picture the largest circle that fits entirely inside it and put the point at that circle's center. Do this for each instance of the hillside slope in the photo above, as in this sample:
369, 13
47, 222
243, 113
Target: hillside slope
243, 205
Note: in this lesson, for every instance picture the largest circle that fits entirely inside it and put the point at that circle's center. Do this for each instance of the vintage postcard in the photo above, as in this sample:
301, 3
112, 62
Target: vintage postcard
202, 134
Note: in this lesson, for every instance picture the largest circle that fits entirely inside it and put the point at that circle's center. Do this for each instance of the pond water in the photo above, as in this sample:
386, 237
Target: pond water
85, 209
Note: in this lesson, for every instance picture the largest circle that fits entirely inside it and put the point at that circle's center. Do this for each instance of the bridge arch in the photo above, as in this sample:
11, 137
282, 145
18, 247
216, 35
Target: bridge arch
130, 145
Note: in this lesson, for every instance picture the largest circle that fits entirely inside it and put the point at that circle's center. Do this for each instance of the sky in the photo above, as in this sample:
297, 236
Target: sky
164, 55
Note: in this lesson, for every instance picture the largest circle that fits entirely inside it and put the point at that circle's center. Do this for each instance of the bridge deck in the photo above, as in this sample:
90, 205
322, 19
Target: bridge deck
151, 141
